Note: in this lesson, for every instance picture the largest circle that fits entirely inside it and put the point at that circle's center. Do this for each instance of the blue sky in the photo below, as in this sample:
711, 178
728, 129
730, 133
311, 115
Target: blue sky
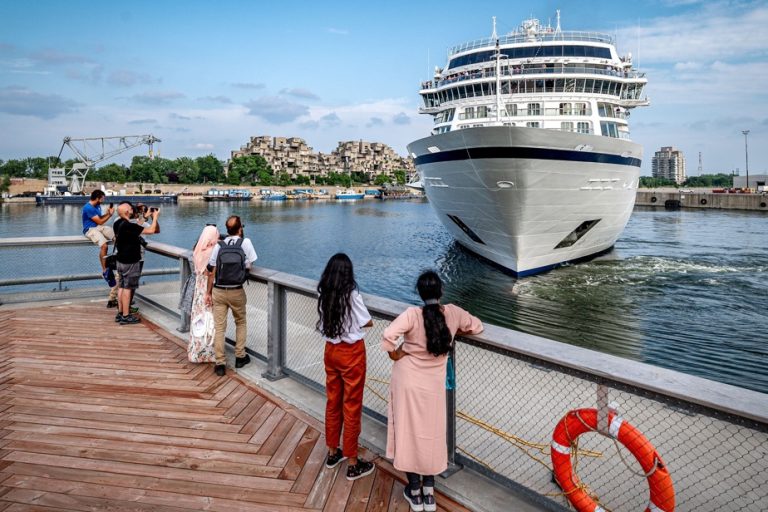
205, 76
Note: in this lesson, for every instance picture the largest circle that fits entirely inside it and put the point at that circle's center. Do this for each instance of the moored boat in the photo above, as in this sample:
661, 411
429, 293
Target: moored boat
227, 195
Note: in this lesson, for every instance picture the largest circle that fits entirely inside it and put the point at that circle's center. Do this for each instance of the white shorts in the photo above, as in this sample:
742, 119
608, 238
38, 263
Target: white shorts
100, 235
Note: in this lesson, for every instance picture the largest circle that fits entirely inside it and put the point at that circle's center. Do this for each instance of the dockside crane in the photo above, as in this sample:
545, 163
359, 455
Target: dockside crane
89, 152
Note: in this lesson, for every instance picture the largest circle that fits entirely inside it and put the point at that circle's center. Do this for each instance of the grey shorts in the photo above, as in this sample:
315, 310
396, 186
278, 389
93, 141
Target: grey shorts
130, 273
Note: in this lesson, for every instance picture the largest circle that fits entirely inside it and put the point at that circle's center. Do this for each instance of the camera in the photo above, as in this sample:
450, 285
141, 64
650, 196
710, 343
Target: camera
153, 209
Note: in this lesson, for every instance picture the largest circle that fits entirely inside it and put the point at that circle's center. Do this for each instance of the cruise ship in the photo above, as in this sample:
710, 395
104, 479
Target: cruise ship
530, 163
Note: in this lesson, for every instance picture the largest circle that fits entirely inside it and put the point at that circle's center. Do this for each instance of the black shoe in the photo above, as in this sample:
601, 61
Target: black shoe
242, 361
334, 460
118, 317
415, 501
361, 469
220, 370
129, 319
111, 304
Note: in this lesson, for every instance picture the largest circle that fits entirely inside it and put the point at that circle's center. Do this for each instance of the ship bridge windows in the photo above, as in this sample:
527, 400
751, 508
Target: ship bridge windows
609, 129
529, 52
584, 127
534, 109
565, 109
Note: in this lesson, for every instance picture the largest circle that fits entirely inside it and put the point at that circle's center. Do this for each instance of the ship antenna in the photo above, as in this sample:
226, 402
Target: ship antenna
557, 28
493, 35
498, 76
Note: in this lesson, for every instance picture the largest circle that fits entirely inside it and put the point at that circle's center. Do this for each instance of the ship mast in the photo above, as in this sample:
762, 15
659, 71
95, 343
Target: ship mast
498, 73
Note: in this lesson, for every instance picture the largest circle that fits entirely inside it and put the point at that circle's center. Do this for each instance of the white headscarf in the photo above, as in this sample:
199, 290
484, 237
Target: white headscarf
204, 247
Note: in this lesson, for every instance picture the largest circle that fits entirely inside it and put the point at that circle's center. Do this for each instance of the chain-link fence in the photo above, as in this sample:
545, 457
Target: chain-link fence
650, 437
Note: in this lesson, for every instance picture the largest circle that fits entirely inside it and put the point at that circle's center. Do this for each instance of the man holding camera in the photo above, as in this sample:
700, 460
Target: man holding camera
95, 228
128, 244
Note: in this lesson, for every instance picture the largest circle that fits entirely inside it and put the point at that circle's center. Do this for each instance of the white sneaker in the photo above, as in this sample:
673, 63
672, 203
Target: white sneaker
430, 505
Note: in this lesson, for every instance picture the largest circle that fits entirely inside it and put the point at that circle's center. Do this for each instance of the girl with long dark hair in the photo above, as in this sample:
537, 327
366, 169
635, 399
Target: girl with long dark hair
416, 436
342, 319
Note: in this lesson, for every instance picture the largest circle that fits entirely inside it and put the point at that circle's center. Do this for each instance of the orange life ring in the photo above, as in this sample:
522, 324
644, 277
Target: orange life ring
577, 422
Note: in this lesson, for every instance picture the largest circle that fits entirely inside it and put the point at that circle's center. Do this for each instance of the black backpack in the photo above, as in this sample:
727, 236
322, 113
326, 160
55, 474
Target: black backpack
230, 265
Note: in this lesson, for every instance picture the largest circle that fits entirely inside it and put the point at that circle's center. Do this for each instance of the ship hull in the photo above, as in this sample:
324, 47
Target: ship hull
529, 199
146, 199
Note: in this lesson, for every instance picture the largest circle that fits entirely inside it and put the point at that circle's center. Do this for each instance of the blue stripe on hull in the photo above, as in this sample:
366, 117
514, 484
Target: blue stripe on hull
525, 152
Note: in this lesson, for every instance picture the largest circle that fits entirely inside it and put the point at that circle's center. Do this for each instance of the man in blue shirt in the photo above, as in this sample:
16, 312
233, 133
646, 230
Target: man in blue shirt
97, 231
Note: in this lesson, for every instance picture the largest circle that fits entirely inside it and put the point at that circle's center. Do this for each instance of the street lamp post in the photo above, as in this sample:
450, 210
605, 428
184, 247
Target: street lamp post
746, 154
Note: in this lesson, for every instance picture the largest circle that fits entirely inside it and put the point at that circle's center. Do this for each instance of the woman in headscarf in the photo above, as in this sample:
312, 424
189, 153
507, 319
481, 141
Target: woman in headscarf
200, 348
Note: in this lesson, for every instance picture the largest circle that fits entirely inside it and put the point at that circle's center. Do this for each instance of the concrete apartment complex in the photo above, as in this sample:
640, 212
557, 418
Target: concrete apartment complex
669, 163
292, 155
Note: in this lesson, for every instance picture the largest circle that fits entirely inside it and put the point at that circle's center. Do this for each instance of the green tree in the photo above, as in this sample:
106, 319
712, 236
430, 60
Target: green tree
400, 177
265, 178
110, 172
14, 168
234, 177
5, 184
302, 179
250, 167
381, 179
284, 179
650, 182
210, 169
187, 170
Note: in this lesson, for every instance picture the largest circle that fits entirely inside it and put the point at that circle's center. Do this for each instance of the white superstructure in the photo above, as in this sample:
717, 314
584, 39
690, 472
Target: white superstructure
530, 163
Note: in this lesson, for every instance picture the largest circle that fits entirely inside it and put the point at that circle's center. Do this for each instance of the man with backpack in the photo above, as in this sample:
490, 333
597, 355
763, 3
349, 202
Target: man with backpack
228, 270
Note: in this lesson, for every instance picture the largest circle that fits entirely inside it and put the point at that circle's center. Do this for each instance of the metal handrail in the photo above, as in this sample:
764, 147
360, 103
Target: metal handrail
739, 407
595, 37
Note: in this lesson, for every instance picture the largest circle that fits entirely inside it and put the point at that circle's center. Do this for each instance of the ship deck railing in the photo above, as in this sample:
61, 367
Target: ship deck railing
461, 76
512, 389
594, 37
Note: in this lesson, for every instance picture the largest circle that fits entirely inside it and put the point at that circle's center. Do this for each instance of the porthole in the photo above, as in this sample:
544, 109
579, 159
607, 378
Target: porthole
653, 199
703, 202
763, 205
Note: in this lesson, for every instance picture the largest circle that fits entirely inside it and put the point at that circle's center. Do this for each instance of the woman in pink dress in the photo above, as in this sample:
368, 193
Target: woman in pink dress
200, 348
416, 414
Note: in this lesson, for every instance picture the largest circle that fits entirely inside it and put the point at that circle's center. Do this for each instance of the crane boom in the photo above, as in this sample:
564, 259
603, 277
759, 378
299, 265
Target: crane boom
93, 150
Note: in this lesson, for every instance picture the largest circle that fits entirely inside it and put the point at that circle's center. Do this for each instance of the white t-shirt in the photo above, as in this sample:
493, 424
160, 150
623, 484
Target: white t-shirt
358, 317
250, 252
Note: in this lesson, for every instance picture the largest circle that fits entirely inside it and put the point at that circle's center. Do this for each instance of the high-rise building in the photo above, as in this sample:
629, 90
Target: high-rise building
669, 163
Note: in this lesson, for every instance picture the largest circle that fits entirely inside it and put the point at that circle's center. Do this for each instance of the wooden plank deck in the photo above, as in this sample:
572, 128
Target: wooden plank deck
98, 416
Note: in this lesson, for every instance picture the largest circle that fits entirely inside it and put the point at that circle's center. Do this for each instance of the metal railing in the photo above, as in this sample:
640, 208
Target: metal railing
515, 38
512, 389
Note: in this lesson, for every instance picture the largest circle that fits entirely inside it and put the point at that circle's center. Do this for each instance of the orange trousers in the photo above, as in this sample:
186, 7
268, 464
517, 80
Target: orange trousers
344, 384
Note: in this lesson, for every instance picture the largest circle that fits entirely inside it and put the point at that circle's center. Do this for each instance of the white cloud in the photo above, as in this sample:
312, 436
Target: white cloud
401, 118
276, 110
21, 101
203, 145
719, 30
688, 66
247, 85
300, 92
127, 78
331, 119
158, 97
143, 121
338, 31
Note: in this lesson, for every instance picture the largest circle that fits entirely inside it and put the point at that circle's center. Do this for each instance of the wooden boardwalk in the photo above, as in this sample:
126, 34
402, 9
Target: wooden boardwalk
98, 416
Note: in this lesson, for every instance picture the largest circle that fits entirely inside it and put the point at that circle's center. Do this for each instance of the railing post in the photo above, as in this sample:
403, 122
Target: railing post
185, 270
276, 331
450, 420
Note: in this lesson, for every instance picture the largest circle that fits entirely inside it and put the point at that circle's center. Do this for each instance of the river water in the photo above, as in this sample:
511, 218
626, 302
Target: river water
686, 290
